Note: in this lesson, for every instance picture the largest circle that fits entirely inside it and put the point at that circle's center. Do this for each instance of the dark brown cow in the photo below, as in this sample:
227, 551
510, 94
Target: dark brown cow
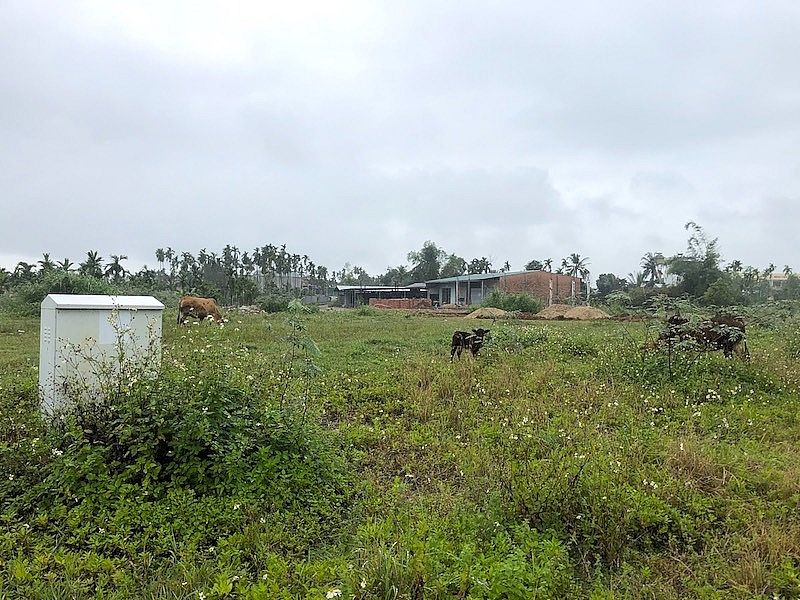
199, 308
463, 340
721, 332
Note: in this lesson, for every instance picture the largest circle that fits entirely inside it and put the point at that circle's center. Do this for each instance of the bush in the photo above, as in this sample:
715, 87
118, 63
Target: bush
521, 302
26, 299
274, 302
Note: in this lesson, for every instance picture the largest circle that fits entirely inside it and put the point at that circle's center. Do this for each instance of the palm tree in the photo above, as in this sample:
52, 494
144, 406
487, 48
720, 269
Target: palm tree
636, 279
93, 265
65, 265
46, 265
650, 264
160, 256
574, 265
787, 270
23, 271
115, 271
547, 264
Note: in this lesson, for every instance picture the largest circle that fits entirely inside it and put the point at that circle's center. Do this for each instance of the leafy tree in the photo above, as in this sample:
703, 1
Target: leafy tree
535, 265
479, 265
699, 267
397, 276
454, 267
724, 291
607, 283
734, 266
427, 262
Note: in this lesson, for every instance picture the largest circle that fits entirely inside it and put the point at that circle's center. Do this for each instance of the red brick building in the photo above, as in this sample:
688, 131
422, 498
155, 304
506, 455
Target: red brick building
550, 288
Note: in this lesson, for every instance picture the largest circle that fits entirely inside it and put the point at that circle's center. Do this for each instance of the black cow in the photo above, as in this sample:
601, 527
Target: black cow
463, 340
721, 332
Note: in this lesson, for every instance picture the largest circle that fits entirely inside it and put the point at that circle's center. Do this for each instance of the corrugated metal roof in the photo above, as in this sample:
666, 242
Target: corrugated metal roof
374, 288
476, 277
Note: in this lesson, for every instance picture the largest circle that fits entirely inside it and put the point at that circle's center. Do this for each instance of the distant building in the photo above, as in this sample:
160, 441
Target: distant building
356, 295
777, 281
550, 288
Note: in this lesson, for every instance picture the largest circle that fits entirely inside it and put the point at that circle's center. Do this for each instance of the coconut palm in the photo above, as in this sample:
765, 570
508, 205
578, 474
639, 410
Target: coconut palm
93, 265
574, 265
65, 265
160, 256
114, 270
650, 268
46, 265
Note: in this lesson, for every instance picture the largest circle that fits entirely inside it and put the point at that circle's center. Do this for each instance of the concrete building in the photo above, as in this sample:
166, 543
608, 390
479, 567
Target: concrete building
550, 288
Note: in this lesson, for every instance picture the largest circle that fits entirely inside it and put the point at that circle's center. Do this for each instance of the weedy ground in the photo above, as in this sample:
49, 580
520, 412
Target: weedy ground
343, 454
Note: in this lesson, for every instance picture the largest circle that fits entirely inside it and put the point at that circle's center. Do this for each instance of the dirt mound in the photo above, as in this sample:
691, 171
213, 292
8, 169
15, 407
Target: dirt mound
488, 313
573, 313
554, 311
586, 313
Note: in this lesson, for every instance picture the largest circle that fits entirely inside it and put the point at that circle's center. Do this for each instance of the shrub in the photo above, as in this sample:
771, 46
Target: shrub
273, 302
521, 302
26, 299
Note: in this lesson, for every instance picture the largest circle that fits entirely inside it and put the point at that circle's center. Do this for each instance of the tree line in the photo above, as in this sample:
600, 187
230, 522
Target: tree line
234, 276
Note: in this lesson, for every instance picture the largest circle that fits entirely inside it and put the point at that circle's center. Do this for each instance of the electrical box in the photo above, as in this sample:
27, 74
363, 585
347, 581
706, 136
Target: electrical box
90, 341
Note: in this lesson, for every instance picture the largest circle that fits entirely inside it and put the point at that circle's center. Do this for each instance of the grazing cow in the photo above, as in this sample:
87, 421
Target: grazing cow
199, 308
721, 332
463, 340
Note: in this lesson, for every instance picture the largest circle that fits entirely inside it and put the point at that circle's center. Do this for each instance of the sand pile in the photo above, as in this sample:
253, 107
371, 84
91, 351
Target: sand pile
573, 313
586, 313
488, 313
554, 311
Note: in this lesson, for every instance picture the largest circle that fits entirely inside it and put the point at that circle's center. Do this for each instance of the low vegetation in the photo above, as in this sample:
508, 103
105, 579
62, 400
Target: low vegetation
326, 454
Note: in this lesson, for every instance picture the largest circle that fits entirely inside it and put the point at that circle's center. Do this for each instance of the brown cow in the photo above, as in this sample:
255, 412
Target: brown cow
463, 340
199, 308
721, 332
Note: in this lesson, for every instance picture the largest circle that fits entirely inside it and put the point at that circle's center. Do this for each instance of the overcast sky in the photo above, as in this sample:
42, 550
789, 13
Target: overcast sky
355, 131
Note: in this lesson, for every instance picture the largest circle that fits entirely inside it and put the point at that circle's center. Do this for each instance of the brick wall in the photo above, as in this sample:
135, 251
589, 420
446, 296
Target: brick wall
400, 302
537, 283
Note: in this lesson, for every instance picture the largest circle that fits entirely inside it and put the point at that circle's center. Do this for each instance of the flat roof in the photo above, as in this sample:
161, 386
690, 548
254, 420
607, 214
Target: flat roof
485, 276
376, 288
98, 301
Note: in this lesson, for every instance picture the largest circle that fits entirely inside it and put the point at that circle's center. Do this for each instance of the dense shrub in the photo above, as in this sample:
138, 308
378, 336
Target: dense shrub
274, 302
511, 302
25, 299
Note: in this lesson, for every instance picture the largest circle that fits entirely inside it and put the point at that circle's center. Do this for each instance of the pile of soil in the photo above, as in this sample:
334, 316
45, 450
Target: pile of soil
554, 311
573, 313
586, 313
488, 313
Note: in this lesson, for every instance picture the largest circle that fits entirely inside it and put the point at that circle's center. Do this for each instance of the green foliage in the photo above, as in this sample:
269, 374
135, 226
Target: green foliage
302, 454
427, 262
511, 302
273, 303
26, 298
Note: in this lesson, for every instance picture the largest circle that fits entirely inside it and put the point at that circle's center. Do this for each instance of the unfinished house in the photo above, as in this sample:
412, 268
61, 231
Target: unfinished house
550, 288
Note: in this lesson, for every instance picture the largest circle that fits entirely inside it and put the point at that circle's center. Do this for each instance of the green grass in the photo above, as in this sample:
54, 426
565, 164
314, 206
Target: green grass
564, 462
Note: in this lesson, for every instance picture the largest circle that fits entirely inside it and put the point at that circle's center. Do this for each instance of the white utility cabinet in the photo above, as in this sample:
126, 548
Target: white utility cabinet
85, 340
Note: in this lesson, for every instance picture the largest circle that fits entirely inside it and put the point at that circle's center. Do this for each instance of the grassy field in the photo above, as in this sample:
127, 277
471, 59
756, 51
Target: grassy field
342, 453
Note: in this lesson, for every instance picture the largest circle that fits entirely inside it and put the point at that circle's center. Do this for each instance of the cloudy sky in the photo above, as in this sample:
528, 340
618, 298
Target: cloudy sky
355, 131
